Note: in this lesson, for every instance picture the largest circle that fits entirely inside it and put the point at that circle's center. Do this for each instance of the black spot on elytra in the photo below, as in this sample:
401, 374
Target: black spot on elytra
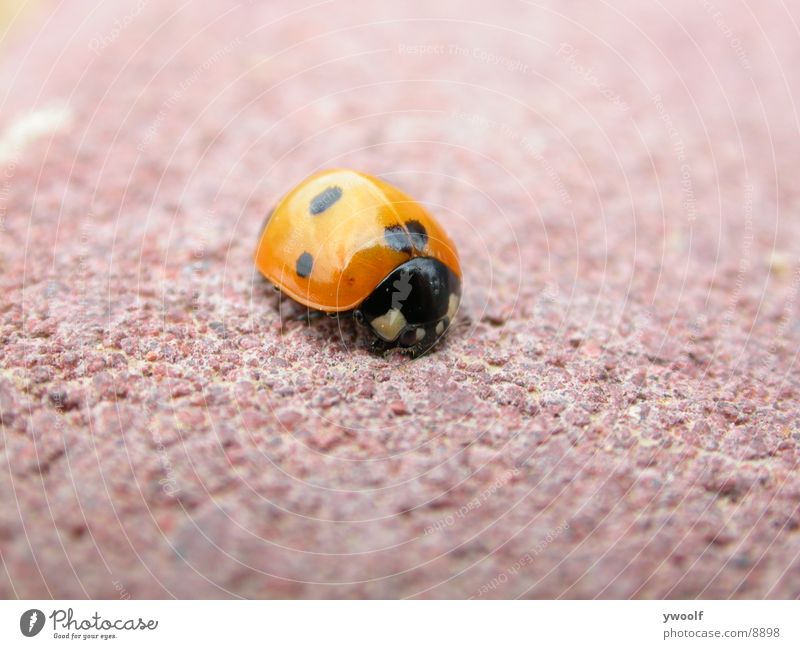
404, 238
397, 238
418, 234
324, 200
303, 264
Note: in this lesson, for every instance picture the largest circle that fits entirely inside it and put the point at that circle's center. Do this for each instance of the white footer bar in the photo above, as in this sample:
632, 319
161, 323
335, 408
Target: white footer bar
401, 624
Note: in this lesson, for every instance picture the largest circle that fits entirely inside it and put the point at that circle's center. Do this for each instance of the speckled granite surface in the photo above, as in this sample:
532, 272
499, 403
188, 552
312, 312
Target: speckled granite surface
616, 413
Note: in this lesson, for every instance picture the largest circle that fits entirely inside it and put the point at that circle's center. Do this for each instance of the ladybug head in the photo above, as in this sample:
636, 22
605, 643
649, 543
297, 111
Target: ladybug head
413, 305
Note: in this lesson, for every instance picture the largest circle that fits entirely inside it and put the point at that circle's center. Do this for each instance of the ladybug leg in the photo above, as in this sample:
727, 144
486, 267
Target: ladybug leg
417, 350
308, 315
379, 346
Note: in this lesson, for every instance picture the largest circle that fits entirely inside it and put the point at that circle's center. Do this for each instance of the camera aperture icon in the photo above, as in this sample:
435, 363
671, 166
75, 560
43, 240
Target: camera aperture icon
31, 622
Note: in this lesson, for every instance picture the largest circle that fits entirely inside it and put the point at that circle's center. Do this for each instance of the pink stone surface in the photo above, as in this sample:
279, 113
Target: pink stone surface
615, 414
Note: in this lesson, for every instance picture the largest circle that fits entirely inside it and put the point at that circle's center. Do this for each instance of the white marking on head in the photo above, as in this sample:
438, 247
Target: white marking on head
452, 306
439, 327
420, 333
390, 324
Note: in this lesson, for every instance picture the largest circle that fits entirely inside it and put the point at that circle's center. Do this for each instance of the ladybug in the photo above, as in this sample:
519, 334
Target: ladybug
345, 242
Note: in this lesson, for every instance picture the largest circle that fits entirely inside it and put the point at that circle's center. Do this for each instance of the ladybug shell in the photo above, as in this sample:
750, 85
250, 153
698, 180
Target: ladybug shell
334, 237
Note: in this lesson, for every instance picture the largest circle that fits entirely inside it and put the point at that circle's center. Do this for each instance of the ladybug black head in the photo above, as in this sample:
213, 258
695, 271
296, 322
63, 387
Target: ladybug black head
413, 306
